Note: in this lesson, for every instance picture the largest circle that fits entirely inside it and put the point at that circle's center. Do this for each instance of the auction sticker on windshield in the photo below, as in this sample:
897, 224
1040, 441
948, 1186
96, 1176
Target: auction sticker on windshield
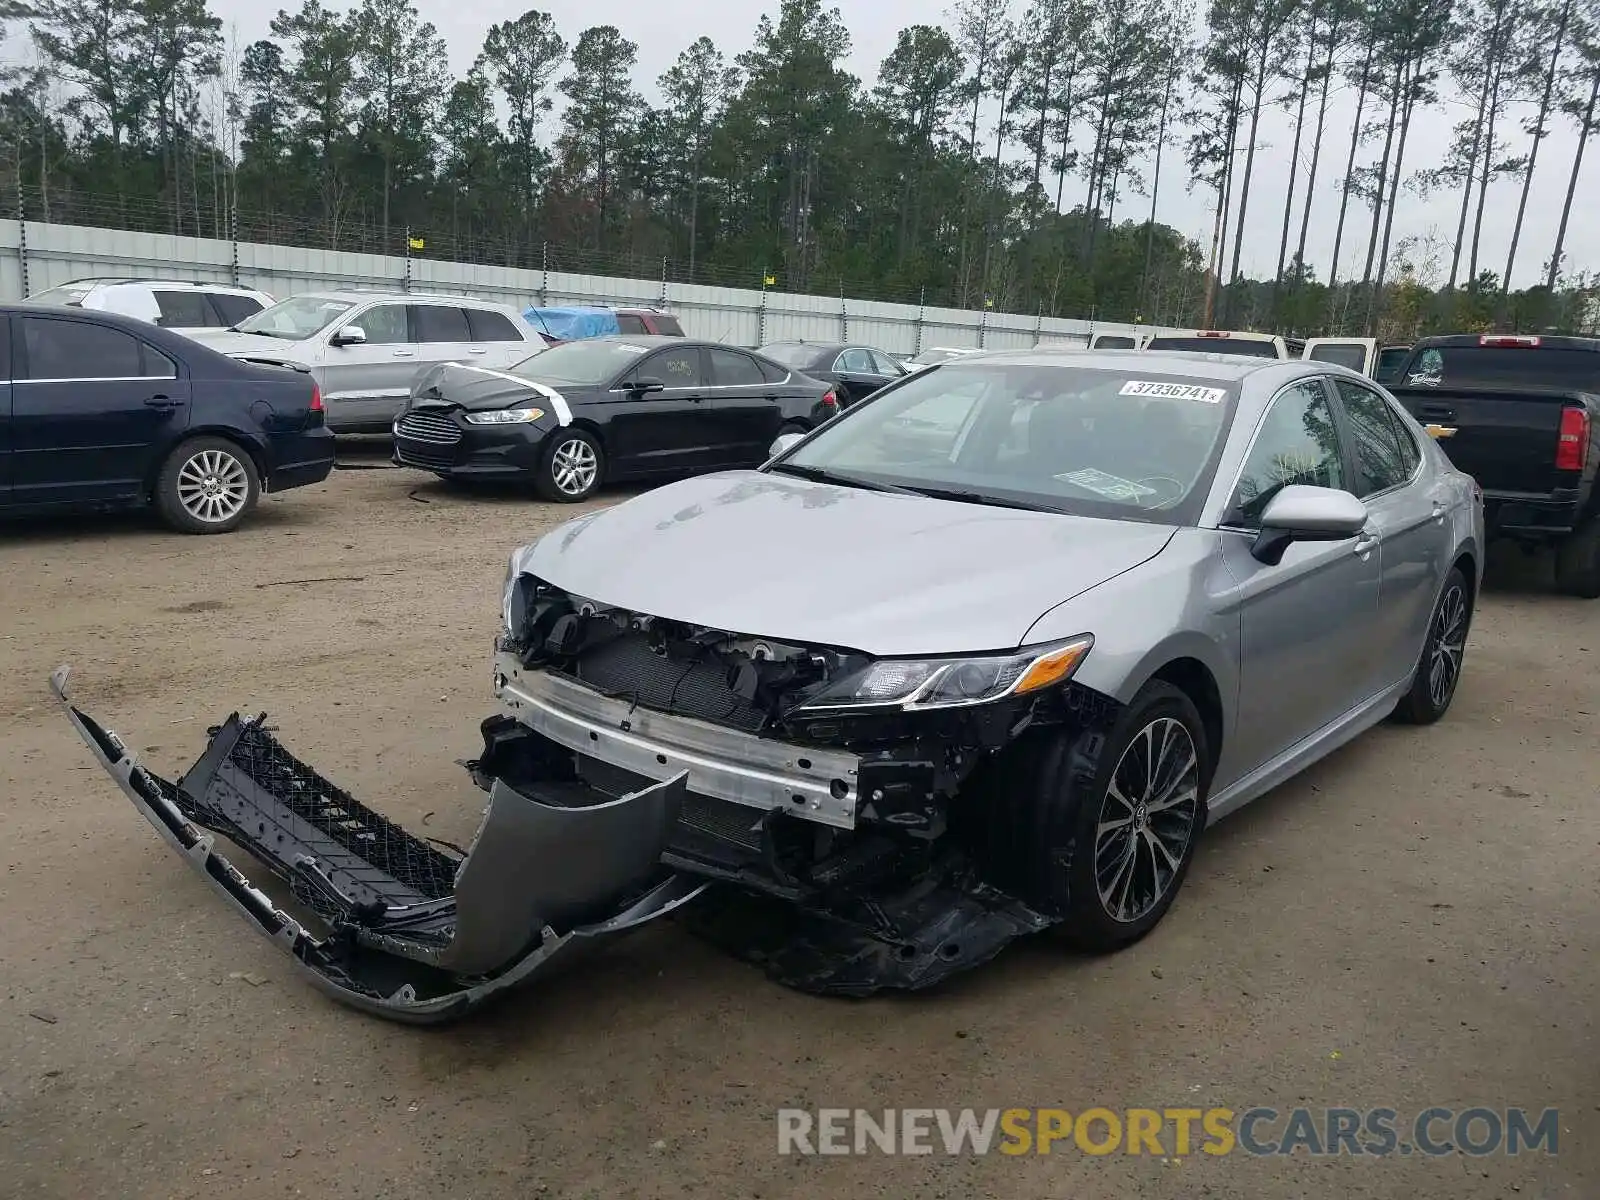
1109, 486
1173, 391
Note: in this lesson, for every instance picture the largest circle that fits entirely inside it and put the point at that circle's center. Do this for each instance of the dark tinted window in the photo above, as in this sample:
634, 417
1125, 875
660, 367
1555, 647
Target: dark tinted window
74, 350
439, 323
729, 368
1114, 341
233, 309
1474, 366
1345, 354
630, 323
1385, 453
1390, 359
156, 364
492, 326
1296, 444
668, 326
1246, 346
675, 368
773, 372
183, 310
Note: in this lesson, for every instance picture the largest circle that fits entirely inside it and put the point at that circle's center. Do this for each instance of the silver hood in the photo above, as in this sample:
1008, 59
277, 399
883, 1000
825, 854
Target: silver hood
797, 561
225, 341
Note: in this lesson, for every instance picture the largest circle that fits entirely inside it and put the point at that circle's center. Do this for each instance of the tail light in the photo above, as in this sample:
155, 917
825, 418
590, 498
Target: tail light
1503, 340
1572, 445
316, 398
830, 400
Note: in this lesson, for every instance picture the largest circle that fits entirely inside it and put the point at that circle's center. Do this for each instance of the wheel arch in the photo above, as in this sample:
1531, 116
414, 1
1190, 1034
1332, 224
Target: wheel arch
1197, 681
257, 453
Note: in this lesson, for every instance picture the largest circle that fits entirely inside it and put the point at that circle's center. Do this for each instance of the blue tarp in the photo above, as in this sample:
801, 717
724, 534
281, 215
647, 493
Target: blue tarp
573, 324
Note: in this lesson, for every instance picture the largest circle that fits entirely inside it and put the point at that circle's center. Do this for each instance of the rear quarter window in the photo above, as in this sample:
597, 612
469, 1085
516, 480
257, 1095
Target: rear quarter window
232, 308
492, 326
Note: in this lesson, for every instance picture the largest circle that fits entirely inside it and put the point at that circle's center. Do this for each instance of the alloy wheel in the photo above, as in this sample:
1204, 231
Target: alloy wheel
213, 486
573, 466
1449, 644
1147, 819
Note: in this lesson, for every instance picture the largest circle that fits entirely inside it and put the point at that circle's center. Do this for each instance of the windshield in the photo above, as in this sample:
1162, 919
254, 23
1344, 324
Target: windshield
1114, 443
586, 363
296, 318
1254, 347
793, 354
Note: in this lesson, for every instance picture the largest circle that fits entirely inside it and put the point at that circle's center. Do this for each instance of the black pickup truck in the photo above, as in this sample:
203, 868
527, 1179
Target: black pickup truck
1520, 414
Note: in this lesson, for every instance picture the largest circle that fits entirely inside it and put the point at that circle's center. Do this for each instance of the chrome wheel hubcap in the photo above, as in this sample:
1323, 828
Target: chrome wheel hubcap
1449, 643
213, 486
1147, 819
574, 465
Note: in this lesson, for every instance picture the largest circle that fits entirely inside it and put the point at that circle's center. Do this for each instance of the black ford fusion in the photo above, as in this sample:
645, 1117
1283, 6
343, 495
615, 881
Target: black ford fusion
605, 410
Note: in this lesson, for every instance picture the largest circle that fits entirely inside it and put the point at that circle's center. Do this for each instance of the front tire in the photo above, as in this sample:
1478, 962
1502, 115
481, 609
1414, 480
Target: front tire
571, 468
1101, 829
207, 485
1439, 669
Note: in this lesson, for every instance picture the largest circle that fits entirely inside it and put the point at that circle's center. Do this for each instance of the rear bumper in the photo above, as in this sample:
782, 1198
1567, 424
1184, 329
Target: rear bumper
300, 459
1537, 517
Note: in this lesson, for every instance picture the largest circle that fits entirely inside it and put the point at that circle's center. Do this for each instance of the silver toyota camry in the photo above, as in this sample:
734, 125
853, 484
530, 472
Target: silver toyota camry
980, 657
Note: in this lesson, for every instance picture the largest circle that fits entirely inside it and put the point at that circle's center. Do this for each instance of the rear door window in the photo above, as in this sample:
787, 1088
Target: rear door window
857, 361
489, 326
78, 350
233, 308
439, 323
182, 310
729, 368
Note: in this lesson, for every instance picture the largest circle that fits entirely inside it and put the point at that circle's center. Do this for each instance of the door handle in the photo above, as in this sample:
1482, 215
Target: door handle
476, 350
1438, 511
405, 353
1442, 411
1364, 544
161, 402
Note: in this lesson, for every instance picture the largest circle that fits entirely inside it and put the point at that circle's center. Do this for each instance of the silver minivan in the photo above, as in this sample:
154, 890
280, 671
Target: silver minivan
365, 349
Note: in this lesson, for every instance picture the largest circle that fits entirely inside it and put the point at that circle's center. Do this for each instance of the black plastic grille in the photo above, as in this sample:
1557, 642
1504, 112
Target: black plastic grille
628, 668
429, 427
338, 815
417, 455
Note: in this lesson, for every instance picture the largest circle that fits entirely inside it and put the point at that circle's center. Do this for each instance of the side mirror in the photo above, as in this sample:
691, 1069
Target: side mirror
1300, 513
782, 443
644, 385
350, 335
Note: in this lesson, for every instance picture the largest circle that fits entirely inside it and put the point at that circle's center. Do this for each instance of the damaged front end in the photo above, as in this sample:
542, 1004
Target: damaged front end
833, 814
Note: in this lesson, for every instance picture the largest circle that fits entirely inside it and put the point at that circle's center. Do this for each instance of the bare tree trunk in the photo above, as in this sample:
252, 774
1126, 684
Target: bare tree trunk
1408, 108
1349, 172
1244, 184
1572, 181
1488, 169
1316, 143
1155, 188
1383, 173
1294, 170
1539, 133
1472, 157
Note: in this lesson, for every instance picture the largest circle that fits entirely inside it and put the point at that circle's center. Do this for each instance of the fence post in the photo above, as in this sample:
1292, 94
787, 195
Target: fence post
922, 303
22, 237
983, 323
663, 281
233, 237
761, 313
407, 283
544, 278
844, 317
1038, 325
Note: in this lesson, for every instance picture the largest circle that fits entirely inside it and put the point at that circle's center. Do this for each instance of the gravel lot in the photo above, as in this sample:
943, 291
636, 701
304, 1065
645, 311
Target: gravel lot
1415, 922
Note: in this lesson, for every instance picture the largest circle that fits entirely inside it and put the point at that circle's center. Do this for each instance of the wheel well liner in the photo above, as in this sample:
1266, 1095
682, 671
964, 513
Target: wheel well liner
1194, 679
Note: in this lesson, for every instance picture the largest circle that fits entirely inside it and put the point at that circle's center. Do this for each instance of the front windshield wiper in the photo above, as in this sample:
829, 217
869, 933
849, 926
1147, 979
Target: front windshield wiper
970, 497
822, 475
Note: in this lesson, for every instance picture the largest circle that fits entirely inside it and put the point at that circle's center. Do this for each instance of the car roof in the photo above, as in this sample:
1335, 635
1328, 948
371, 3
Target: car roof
357, 296
1223, 368
207, 285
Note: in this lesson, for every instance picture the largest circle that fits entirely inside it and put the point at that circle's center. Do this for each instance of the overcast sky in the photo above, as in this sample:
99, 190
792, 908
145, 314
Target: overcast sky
662, 30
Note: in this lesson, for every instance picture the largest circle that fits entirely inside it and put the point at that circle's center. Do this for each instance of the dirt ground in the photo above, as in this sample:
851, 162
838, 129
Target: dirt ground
1415, 922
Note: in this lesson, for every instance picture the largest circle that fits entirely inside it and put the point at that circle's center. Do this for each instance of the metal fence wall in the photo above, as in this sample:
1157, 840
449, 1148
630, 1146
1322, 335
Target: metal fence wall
35, 256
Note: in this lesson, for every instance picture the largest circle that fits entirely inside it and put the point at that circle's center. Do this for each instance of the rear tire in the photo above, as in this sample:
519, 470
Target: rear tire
571, 468
207, 485
1082, 828
1578, 562
1433, 686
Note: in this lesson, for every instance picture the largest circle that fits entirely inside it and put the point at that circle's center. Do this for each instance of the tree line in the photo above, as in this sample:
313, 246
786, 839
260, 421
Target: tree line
1016, 156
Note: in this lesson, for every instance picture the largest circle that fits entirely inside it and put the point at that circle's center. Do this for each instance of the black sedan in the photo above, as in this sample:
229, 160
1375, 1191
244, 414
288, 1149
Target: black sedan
603, 410
855, 371
103, 411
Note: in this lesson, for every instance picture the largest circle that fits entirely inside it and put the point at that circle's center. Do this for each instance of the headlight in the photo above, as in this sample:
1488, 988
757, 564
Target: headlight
505, 416
911, 685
